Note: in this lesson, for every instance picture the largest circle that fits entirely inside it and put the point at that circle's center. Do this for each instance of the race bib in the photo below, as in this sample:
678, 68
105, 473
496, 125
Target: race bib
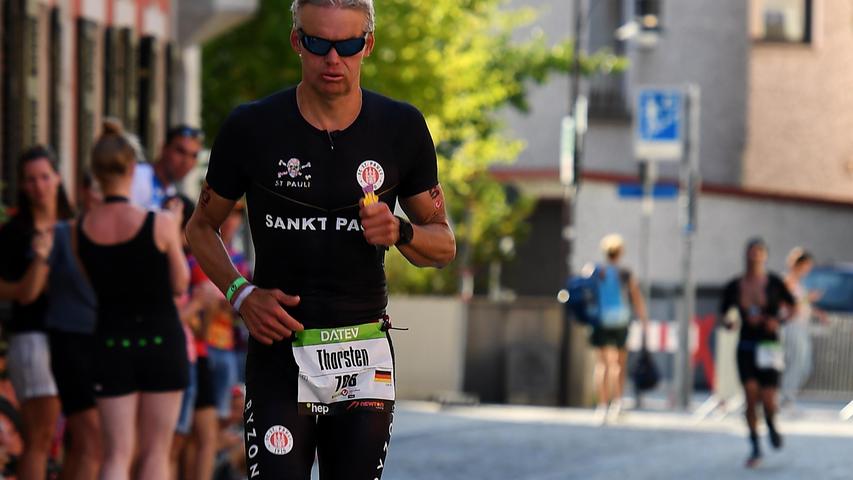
344, 369
770, 355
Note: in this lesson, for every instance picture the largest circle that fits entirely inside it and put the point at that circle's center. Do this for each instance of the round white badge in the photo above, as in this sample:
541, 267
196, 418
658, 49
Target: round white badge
370, 173
278, 440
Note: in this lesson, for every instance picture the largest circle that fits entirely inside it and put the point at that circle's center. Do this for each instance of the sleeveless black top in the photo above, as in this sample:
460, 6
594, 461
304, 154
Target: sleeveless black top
131, 280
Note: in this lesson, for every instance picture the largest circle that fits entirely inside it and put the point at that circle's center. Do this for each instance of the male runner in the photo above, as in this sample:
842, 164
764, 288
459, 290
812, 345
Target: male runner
312, 161
763, 303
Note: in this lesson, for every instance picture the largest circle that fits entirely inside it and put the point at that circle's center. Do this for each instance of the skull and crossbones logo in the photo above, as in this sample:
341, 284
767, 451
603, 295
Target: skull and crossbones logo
295, 168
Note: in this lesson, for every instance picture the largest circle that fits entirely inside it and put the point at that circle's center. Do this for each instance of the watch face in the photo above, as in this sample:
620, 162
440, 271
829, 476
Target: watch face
406, 232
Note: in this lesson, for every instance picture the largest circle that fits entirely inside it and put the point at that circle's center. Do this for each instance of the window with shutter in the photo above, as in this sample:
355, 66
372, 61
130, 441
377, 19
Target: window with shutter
149, 105
130, 44
87, 32
31, 49
3, 116
171, 58
608, 97
13, 95
56, 80
115, 71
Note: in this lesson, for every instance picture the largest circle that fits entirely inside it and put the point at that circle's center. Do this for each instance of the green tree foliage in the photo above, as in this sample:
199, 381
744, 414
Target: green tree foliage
460, 62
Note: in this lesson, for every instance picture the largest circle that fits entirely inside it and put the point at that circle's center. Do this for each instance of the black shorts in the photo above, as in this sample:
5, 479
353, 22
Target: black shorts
608, 337
349, 446
72, 362
204, 385
748, 370
152, 361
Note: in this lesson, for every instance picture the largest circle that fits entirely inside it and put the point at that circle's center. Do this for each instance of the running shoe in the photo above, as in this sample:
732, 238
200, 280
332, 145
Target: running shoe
754, 460
775, 439
615, 411
600, 414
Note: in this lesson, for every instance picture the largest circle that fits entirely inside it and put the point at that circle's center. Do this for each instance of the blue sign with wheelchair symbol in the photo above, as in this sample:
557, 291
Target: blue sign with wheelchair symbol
659, 124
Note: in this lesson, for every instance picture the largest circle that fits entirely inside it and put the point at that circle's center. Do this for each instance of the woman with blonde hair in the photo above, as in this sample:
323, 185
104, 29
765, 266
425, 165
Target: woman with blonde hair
619, 299
136, 265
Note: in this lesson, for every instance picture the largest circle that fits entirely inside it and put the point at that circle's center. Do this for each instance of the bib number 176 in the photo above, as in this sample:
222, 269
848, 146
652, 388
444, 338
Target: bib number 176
346, 381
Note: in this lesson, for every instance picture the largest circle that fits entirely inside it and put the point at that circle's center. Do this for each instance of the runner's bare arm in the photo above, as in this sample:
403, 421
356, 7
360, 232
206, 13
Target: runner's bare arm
203, 237
433, 243
262, 309
638, 302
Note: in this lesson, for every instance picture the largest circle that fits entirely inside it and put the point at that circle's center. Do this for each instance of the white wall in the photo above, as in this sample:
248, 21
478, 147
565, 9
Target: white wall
724, 225
429, 356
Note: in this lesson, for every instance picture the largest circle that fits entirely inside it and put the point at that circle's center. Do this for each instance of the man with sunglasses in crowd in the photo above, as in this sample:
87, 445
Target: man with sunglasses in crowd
154, 183
322, 166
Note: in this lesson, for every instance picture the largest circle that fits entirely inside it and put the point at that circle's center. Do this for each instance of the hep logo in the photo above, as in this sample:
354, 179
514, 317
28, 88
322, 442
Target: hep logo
318, 409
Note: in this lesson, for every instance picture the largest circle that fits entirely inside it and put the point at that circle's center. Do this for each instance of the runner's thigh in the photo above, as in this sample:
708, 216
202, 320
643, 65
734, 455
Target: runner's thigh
280, 443
353, 446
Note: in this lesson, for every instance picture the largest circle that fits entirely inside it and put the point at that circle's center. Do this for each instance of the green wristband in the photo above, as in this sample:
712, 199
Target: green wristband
235, 285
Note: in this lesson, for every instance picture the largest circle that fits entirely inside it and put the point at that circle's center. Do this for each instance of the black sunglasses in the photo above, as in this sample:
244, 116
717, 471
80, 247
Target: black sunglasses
322, 47
184, 131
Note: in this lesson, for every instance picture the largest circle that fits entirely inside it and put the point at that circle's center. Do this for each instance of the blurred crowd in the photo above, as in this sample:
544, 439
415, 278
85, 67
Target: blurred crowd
120, 358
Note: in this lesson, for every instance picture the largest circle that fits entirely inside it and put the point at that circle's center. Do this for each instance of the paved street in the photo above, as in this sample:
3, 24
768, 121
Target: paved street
531, 443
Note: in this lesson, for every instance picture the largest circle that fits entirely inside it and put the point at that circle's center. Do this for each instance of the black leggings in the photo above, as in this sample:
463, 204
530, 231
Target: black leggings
281, 444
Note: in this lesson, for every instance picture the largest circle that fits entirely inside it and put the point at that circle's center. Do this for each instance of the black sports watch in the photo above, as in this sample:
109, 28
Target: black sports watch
406, 231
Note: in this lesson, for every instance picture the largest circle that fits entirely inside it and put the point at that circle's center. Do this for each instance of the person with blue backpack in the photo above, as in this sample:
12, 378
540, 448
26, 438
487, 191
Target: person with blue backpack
618, 300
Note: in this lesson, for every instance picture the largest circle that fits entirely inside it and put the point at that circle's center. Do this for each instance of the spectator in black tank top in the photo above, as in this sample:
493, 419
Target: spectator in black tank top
136, 265
41, 203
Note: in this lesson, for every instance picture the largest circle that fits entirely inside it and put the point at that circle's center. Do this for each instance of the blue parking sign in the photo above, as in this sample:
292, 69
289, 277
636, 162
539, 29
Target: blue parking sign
659, 124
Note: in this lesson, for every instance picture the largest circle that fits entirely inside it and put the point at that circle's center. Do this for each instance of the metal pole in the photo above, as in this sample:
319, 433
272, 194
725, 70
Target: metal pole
576, 101
690, 184
649, 176
570, 192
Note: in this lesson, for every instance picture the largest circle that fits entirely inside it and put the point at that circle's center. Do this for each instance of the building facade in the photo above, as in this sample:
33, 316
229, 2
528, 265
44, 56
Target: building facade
800, 102
67, 64
775, 148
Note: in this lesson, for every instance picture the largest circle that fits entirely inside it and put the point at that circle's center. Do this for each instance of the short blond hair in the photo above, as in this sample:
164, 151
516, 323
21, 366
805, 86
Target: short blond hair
612, 245
365, 6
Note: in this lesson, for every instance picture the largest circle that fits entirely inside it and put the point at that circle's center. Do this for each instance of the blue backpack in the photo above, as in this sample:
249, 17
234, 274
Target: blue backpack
583, 299
599, 299
613, 306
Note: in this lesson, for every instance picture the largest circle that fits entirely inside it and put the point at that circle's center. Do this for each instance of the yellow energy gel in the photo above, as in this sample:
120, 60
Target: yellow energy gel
369, 197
